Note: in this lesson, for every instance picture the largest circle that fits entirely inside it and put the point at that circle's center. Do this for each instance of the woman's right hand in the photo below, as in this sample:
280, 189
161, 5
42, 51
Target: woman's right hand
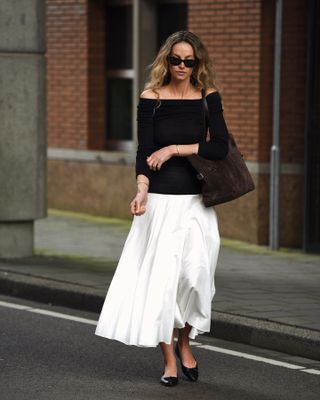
138, 204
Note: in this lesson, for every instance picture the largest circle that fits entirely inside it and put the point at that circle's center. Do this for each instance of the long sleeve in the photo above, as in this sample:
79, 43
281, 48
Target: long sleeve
145, 137
217, 147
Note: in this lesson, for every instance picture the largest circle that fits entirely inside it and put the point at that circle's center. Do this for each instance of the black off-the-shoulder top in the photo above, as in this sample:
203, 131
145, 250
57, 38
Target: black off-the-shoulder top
178, 121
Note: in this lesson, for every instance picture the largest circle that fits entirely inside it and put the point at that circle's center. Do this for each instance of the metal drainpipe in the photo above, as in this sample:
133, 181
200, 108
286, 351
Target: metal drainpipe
275, 165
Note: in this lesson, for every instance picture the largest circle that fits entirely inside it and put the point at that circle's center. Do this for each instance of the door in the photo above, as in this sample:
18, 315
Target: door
312, 143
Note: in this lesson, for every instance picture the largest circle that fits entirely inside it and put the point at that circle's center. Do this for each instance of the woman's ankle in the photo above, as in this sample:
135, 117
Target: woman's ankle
170, 360
183, 343
170, 369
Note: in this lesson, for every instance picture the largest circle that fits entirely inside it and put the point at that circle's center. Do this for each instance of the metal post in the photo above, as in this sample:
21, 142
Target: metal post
275, 166
274, 198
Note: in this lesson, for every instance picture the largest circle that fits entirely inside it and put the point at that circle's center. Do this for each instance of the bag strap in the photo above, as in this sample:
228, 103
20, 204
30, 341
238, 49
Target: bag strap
205, 112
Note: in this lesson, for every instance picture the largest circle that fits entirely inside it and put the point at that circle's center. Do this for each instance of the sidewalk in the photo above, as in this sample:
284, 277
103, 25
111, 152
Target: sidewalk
263, 298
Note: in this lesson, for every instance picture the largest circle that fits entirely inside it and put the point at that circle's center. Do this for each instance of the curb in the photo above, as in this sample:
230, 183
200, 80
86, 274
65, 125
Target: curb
256, 332
268, 334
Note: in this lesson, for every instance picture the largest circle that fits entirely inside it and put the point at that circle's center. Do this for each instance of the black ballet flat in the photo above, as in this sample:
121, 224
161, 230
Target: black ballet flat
191, 373
169, 380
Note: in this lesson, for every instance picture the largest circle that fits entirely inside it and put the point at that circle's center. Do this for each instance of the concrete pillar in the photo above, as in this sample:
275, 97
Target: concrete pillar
22, 124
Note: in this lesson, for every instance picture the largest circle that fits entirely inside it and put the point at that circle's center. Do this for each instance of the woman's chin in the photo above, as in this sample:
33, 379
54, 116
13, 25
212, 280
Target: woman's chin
181, 77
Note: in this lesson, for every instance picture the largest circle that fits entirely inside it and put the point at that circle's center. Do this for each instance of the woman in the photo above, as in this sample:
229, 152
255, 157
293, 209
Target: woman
165, 276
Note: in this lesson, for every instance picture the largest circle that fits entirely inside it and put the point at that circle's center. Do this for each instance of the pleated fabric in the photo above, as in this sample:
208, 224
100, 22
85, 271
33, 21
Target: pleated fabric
165, 274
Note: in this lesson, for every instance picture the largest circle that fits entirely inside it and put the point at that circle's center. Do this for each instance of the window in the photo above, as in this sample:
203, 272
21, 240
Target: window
119, 76
171, 17
158, 19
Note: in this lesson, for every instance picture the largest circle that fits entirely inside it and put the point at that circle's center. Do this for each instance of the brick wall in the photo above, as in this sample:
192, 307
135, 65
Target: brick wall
67, 72
240, 37
231, 31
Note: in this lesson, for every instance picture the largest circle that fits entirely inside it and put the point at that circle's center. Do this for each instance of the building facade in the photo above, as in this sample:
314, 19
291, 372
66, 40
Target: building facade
97, 55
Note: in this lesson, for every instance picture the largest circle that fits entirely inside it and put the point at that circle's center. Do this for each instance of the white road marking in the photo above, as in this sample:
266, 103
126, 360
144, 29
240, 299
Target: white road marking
194, 343
13, 305
312, 371
48, 312
251, 357
63, 316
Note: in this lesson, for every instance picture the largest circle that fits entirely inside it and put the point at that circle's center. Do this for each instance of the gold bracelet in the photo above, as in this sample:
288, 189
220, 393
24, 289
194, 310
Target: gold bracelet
177, 146
143, 182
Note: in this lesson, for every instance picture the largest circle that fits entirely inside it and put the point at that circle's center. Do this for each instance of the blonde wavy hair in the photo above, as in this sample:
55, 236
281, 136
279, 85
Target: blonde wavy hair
203, 74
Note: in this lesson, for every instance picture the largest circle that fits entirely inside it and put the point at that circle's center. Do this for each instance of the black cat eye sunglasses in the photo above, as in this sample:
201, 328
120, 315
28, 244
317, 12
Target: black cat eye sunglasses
189, 63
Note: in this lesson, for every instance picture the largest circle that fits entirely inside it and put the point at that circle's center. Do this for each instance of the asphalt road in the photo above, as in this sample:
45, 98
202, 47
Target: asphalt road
49, 357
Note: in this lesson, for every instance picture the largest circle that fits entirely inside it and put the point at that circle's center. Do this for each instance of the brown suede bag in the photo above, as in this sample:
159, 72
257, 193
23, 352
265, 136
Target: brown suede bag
221, 180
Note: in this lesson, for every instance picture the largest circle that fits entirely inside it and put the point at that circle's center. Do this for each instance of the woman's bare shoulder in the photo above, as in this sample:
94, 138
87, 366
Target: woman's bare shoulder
210, 90
148, 94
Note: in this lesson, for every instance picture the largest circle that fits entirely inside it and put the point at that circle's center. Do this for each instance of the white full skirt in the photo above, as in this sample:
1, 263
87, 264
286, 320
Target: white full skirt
165, 274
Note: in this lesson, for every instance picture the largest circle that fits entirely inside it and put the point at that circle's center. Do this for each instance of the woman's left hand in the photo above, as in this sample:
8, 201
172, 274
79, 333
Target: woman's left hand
157, 158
